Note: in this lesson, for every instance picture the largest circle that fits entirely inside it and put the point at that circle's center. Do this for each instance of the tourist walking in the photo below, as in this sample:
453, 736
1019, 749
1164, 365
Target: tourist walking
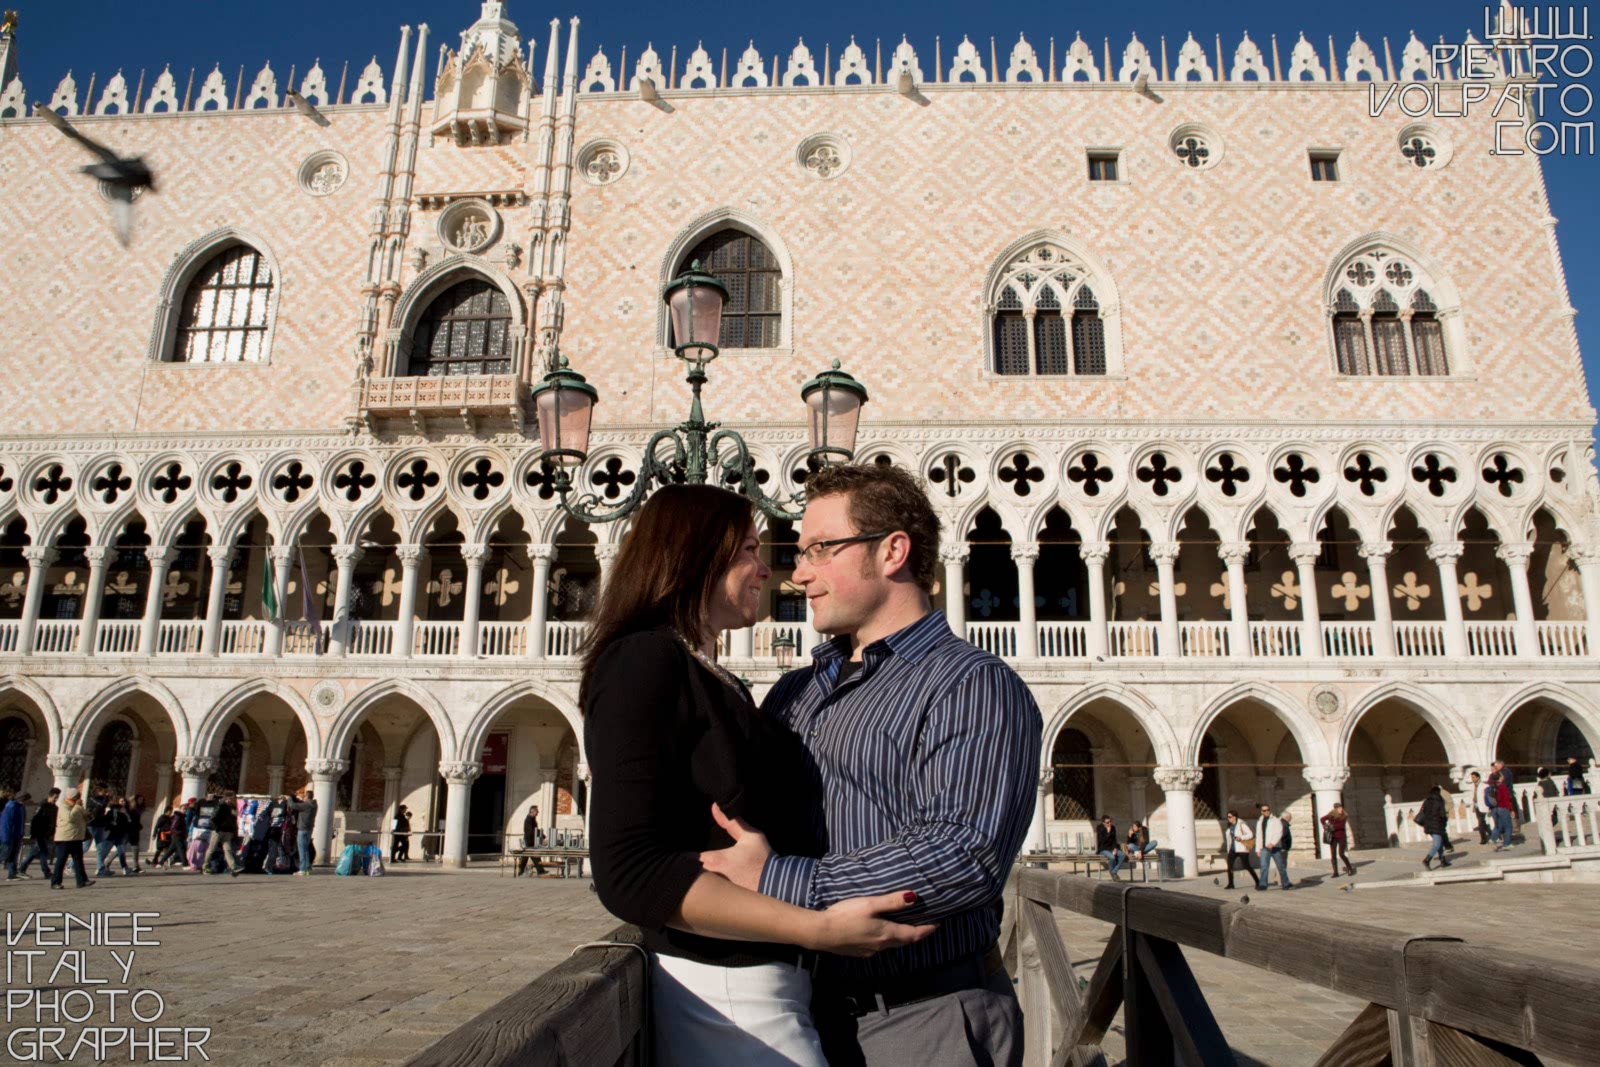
115, 838
72, 829
1577, 776
1497, 798
224, 835
532, 837
1480, 810
13, 827
400, 849
305, 819
1271, 847
98, 809
43, 831
1336, 835
1238, 845
1435, 822
1108, 848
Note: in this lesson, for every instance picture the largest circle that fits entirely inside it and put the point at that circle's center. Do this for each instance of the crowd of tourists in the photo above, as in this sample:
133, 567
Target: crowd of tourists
219, 833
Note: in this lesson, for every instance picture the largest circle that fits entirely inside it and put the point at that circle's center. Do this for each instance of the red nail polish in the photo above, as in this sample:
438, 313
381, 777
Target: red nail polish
911, 898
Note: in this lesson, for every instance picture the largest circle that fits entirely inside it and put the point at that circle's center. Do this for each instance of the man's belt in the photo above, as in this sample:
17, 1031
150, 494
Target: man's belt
860, 996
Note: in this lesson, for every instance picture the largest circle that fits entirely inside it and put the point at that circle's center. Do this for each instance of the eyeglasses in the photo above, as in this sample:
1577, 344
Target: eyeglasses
820, 552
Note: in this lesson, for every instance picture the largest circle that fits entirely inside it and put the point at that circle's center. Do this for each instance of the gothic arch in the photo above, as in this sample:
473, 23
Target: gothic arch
343, 729
1163, 741
432, 282
210, 732
729, 218
1313, 746
185, 266
103, 702
472, 738
1579, 709
1433, 279
29, 690
1453, 732
1098, 277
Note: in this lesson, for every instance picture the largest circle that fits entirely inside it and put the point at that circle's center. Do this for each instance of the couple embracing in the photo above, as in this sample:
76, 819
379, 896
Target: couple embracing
819, 878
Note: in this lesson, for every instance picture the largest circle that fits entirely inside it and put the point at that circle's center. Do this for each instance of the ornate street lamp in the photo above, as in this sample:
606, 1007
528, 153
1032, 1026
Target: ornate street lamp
564, 403
783, 652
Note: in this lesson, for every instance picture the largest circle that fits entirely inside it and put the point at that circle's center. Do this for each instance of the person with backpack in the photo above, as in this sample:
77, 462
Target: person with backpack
115, 839
1497, 798
43, 832
1577, 776
1435, 822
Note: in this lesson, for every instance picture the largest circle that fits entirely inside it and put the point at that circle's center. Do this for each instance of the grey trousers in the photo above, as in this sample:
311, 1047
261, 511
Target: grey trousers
971, 1028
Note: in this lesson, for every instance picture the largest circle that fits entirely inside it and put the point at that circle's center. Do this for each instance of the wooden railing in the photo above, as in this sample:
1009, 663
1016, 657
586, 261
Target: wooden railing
1429, 1000
590, 1009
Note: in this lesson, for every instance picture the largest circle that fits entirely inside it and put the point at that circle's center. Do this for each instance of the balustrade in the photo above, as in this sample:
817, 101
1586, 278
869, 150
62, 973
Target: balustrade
436, 639
301, 638
56, 636
501, 639
1133, 638
179, 637
1204, 638
1491, 638
1063, 640
562, 639
1419, 639
995, 638
371, 639
242, 637
1567, 823
1348, 639
1275, 640
1562, 639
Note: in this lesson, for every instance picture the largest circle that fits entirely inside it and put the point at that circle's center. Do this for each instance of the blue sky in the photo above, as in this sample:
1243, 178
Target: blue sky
99, 37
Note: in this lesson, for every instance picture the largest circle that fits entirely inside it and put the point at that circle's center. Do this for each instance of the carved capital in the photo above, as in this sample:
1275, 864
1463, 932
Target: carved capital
1326, 779
410, 555
1515, 553
476, 555
1375, 551
1181, 779
63, 763
220, 555
96, 555
1047, 777
1446, 551
327, 770
195, 766
953, 553
1233, 553
607, 551
282, 555
1025, 553
542, 553
1584, 553
1095, 552
159, 555
275, 768
1165, 551
1305, 553
347, 555
460, 772
38, 556
392, 774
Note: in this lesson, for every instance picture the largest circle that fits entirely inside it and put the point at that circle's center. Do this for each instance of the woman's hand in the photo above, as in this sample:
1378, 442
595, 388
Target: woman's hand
855, 927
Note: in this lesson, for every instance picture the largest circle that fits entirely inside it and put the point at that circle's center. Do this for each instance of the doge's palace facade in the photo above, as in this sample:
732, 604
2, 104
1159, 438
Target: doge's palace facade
1257, 424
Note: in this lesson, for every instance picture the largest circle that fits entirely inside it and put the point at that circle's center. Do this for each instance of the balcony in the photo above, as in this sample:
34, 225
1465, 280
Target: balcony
465, 398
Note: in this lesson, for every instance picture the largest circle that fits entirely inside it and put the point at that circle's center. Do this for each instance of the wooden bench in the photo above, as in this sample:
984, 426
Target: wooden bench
566, 859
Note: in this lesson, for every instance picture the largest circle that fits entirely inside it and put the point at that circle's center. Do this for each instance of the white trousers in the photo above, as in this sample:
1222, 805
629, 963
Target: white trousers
757, 1016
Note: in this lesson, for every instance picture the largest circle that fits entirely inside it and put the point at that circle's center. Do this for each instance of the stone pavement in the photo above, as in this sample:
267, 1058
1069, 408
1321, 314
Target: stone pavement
363, 972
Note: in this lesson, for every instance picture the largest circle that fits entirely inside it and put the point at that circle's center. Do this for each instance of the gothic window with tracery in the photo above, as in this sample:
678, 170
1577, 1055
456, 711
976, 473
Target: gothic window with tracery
465, 330
1044, 318
753, 314
226, 310
1385, 322
14, 735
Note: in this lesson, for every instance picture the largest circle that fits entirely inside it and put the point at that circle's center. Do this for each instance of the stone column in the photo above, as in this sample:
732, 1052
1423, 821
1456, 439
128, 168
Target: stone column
1165, 553
1025, 557
244, 762
391, 802
1137, 805
605, 554
93, 598
163, 798
1178, 783
196, 771
125, 787
581, 773
325, 775
160, 557
1445, 554
1327, 789
1376, 553
38, 558
1038, 839
547, 799
1234, 553
346, 557
67, 769
1587, 557
472, 608
1094, 555
1515, 555
541, 555
220, 556
405, 623
458, 777
954, 557
743, 645
1304, 554
275, 779
282, 558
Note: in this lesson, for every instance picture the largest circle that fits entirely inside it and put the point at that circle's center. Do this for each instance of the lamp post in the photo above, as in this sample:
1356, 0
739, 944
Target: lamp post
689, 452
783, 652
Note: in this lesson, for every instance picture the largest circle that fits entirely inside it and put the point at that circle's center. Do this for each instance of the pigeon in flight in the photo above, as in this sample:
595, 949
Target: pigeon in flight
122, 178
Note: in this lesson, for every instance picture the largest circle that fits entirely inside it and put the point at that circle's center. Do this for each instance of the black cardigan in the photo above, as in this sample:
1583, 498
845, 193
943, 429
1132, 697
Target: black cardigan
665, 737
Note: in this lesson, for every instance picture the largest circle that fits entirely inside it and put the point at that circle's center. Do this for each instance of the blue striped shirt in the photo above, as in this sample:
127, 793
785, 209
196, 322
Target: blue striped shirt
926, 761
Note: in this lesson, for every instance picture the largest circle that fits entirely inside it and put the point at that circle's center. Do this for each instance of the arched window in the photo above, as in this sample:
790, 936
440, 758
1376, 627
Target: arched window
14, 735
465, 330
230, 760
1384, 320
1044, 317
226, 310
1073, 787
113, 756
753, 315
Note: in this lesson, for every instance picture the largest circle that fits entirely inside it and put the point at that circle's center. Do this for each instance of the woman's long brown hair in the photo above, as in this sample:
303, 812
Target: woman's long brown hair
682, 543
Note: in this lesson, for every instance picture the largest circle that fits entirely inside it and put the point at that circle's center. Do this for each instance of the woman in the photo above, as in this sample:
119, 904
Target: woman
1238, 841
1335, 832
118, 825
1435, 822
1577, 783
668, 734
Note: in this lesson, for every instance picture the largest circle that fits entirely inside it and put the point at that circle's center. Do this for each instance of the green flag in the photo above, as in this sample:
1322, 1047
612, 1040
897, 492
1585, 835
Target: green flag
269, 597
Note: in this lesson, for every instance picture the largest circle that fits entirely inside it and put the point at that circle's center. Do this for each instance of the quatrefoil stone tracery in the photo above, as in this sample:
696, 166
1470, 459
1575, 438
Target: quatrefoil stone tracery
1089, 472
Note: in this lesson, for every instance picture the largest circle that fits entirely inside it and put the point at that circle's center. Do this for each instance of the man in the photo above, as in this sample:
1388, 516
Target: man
13, 825
926, 751
276, 816
1237, 839
97, 809
305, 814
400, 850
1513, 808
1497, 798
1480, 809
224, 835
1105, 844
1270, 833
531, 835
43, 832
72, 827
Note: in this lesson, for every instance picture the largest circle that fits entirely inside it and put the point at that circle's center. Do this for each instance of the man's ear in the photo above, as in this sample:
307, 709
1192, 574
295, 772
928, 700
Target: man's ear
896, 554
